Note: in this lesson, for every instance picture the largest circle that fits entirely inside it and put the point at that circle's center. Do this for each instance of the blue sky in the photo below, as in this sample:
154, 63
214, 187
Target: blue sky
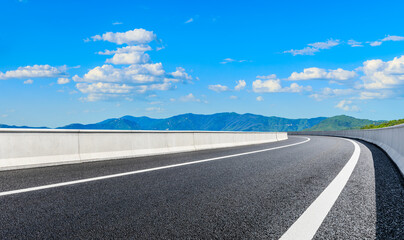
85, 61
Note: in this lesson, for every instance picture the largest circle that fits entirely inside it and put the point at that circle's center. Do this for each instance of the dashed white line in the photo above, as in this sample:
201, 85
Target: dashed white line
31, 189
308, 223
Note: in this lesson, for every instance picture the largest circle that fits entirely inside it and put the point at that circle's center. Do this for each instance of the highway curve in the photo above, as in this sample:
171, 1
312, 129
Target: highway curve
248, 192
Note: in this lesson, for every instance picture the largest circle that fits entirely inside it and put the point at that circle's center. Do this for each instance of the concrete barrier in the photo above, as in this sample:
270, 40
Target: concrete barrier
25, 148
390, 139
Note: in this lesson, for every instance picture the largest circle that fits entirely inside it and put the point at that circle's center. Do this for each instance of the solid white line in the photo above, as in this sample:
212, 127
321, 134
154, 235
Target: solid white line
140, 171
308, 223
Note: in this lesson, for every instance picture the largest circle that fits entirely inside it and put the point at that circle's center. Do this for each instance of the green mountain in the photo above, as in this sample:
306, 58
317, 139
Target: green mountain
341, 122
214, 122
224, 122
384, 124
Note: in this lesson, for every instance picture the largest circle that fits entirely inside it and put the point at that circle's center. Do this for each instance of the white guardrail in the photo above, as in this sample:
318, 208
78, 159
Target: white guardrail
390, 139
25, 148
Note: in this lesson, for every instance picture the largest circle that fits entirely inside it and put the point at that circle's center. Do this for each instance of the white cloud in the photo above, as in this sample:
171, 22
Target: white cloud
267, 86
374, 95
117, 23
319, 73
259, 99
230, 60
136, 36
35, 71
127, 49
271, 76
218, 88
314, 47
393, 38
325, 45
375, 43
304, 51
63, 80
189, 98
386, 39
346, 105
140, 76
29, 81
181, 74
354, 43
154, 87
189, 20
383, 75
101, 91
329, 92
129, 58
142, 73
233, 97
240, 85
274, 85
296, 88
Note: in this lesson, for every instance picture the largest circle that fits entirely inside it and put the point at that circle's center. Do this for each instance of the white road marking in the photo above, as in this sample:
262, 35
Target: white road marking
308, 223
140, 171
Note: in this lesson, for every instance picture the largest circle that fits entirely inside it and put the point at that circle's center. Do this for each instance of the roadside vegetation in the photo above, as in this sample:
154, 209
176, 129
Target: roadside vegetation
384, 124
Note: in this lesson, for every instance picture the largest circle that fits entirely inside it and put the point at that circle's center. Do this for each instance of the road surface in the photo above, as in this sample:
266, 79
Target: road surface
261, 191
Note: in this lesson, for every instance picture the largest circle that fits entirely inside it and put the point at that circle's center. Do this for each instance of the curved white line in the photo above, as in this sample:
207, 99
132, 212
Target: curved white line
308, 223
31, 189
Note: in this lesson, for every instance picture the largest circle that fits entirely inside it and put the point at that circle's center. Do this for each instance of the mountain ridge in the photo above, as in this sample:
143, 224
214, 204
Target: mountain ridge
213, 122
226, 121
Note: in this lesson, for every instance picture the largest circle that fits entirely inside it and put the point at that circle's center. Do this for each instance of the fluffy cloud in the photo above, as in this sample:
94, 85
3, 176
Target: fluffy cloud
29, 81
101, 91
259, 99
319, 73
138, 77
274, 85
267, 86
63, 80
383, 75
346, 105
386, 39
136, 36
314, 47
218, 88
181, 74
35, 71
133, 74
129, 58
240, 85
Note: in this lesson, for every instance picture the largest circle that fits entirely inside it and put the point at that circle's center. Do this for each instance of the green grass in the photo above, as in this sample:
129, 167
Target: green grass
383, 125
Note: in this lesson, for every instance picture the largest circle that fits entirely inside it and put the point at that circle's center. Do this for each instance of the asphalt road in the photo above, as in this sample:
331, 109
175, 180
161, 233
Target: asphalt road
251, 196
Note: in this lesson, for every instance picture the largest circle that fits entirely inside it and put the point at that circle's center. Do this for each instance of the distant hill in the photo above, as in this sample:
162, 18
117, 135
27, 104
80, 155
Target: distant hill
12, 126
213, 122
341, 122
223, 122
384, 124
